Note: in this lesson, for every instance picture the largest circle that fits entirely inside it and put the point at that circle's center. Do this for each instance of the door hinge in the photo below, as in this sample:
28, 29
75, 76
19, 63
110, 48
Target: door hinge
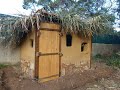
38, 54
38, 34
61, 34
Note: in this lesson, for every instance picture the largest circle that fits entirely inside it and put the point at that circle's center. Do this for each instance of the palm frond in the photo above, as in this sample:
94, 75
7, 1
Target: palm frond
70, 23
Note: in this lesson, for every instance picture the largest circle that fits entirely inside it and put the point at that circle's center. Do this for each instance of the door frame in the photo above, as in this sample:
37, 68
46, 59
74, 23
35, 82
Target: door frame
37, 36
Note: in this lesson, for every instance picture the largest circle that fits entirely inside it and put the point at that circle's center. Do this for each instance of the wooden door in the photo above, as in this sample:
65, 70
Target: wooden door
49, 55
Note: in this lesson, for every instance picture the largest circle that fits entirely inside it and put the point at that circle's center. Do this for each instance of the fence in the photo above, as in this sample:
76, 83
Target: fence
8, 55
98, 48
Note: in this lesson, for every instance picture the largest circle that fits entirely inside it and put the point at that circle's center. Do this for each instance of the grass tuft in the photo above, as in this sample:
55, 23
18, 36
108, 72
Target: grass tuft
3, 66
112, 60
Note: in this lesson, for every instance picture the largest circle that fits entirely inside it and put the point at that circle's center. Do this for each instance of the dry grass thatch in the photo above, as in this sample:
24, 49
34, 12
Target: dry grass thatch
16, 30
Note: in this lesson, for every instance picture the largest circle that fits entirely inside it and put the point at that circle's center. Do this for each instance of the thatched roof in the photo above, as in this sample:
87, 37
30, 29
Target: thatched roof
69, 23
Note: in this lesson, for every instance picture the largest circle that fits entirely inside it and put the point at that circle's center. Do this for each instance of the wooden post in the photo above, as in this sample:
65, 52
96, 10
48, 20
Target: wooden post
36, 50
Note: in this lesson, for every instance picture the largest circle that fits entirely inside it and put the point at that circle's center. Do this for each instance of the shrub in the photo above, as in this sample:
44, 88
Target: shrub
112, 60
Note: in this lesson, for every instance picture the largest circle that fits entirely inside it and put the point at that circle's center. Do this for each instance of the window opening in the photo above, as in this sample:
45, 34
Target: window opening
31, 42
83, 46
68, 40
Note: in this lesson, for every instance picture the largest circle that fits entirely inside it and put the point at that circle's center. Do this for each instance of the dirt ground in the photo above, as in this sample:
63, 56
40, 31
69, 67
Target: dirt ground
99, 77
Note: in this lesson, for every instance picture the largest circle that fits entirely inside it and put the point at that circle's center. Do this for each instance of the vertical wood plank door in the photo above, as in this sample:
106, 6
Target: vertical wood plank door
49, 59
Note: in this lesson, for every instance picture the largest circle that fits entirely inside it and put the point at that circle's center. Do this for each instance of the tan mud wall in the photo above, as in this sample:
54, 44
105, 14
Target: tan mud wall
73, 55
28, 55
102, 49
9, 55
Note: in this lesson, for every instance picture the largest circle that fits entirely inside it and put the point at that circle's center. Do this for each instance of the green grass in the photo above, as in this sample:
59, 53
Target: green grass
112, 60
3, 66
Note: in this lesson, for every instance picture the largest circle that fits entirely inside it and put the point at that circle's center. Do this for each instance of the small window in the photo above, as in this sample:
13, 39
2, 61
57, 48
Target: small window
83, 46
68, 40
31, 43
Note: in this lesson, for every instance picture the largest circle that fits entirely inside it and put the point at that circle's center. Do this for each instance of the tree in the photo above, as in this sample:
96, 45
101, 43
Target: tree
87, 11
84, 8
87, 17
118, 10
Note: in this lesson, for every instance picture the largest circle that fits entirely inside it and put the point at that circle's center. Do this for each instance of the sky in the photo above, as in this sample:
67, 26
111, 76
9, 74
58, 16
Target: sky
12, 7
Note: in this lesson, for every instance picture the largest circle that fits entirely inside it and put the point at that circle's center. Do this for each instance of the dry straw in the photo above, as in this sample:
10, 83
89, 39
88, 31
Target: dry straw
14, 30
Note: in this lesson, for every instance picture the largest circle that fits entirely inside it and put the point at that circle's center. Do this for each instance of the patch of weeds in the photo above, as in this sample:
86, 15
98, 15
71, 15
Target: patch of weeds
112, 60
98, 56
3, 66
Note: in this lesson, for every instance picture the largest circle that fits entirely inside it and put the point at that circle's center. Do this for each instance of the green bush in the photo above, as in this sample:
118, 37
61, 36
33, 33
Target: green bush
112, 60
98, 56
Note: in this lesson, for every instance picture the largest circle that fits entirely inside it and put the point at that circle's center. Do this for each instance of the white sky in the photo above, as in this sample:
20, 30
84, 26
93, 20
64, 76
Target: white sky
117, 29
12, 7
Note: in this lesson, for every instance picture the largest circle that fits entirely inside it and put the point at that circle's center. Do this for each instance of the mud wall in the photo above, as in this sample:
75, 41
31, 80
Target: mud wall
27, 55
104, 48
73, 57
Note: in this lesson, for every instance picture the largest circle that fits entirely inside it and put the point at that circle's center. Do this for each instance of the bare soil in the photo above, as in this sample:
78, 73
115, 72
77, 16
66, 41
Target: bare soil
99, 77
